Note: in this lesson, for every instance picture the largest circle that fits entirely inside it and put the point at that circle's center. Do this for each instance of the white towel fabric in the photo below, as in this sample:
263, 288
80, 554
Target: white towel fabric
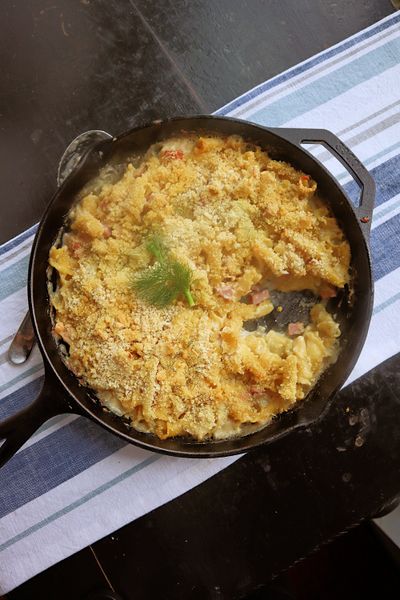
74, 483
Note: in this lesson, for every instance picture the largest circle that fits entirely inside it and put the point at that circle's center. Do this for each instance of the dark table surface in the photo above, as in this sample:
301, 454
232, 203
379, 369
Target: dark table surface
72, 66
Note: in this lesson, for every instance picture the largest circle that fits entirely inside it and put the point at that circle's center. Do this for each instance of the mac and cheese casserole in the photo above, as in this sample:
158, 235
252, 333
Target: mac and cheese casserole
160, 270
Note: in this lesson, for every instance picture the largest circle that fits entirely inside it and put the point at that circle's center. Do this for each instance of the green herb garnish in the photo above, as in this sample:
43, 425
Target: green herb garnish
157, 248
161, 283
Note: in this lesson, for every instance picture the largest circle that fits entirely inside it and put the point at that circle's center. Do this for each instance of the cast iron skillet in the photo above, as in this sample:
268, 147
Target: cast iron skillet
62, 393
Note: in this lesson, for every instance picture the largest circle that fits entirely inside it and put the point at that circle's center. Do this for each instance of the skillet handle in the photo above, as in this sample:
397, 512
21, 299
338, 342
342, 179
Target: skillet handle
18, 428
77, 149
348, 159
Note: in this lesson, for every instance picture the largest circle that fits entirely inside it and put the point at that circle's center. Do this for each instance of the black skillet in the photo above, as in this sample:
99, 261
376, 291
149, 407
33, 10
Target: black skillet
62, 393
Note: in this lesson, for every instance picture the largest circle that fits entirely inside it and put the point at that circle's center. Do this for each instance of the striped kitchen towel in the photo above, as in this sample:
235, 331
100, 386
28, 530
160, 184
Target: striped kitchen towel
73, 483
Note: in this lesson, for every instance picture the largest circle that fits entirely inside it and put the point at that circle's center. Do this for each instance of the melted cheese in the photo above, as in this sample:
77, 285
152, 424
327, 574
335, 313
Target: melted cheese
237, 218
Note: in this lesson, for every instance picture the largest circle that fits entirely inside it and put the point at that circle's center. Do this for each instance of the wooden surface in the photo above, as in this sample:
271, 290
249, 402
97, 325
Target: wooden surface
72, 66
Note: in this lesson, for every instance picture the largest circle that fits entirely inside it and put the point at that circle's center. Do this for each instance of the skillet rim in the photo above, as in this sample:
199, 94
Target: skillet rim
193, 448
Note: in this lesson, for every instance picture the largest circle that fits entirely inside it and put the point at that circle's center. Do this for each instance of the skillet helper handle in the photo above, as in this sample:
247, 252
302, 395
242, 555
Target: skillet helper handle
344, 155
18, 428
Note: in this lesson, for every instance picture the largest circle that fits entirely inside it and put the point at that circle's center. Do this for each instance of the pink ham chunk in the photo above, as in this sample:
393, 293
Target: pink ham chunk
75, 247
172, 154
107, 232
328, 292
258, 297
257, 391
295, 328
225, 291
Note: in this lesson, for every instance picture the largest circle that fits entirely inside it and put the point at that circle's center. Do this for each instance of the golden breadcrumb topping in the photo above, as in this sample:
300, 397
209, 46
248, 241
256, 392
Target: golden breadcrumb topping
244, 225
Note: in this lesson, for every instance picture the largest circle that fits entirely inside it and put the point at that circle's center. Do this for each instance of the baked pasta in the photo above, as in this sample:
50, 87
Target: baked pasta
239, 225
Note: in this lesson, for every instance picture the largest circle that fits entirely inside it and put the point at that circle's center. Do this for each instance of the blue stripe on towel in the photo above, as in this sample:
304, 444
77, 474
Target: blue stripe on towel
17, 400
81, 501
330, 86
13, 278
387, 181
54, 459
385, 247
18, 239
